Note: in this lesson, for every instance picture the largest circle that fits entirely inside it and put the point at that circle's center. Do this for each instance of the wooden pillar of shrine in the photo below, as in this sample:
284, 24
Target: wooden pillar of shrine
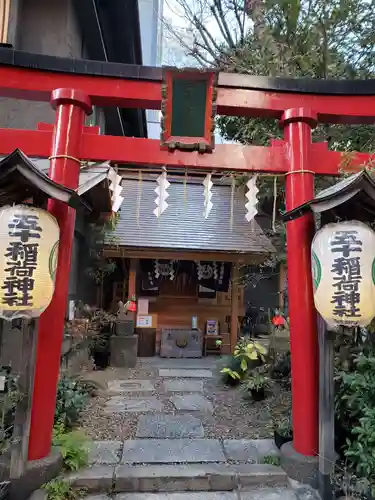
234, 307
132, 285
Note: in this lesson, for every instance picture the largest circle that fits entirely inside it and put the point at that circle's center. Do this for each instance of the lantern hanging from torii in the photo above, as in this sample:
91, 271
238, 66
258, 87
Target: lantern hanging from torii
343, 266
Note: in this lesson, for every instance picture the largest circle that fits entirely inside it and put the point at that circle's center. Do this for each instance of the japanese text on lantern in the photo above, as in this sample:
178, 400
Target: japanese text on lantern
29, 242
21, 259
346, 272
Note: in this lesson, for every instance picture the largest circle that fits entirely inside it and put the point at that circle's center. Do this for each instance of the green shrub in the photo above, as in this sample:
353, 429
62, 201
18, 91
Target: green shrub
256, 382
361, 446
247, 356
73, 447
271, 460
60, 489
72, 397
282, 368
355, 414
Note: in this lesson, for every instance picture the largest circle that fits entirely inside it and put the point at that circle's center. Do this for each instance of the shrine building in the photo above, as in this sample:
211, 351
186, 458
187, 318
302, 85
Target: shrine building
185, 270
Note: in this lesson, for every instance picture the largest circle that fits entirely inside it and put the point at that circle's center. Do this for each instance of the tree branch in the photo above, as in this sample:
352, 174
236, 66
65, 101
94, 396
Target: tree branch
217, 10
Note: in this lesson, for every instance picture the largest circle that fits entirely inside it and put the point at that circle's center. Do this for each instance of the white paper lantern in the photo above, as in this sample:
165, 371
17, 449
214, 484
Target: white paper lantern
343, 267
29, 243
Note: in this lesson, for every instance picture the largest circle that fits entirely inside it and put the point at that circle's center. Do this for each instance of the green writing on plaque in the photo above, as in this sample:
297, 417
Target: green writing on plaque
188, 108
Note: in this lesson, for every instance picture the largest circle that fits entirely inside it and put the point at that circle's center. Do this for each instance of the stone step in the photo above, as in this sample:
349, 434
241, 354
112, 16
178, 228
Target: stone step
182, 373
258, 494
177, 478
174, 451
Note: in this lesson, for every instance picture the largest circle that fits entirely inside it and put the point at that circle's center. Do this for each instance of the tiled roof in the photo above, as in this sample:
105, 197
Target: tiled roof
182, 226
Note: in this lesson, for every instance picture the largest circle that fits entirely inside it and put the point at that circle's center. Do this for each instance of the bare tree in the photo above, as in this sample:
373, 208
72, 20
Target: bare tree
217, 28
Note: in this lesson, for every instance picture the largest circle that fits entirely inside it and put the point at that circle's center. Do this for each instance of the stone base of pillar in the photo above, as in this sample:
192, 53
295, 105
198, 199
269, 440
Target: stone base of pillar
301, 468
37, 473
124, 351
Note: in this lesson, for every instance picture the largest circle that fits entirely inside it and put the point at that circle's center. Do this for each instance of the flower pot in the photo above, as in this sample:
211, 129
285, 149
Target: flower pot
101, 358
280, 440
258, 395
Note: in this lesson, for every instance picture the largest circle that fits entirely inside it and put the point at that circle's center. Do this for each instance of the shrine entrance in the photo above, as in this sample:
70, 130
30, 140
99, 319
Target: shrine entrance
186, 144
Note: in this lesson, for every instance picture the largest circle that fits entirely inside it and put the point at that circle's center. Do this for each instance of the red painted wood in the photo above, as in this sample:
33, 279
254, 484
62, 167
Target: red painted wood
299, 188
71, 106
137, 151
48, 127
34, 85
37, 85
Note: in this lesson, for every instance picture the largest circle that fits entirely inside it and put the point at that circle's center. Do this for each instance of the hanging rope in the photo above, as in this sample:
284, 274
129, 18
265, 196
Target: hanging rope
139, 196
274, 204
233, 187
185, 190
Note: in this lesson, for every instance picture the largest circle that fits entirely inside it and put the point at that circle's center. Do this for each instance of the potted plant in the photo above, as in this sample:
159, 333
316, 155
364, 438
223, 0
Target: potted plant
100, 327
283, 431
100, 349
232, 373
256, 385
247, 355
252, 354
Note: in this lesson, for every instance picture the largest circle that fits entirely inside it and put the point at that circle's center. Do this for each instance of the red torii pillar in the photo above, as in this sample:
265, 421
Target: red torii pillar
71, 109
299, 188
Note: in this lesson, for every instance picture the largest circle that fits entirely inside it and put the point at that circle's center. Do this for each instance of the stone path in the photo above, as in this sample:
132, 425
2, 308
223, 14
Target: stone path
170, 457
189, 404
259, 494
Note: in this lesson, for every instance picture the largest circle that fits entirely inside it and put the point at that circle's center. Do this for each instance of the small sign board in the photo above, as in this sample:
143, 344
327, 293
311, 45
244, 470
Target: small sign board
144, 321
143, 306
188, 109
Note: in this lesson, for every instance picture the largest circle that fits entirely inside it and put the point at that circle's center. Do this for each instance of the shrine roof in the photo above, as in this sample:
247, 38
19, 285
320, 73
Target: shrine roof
94, 183
351, 198
182, 226
21, 179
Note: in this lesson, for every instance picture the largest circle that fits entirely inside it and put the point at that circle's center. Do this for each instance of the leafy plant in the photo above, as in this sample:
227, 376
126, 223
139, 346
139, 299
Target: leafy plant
256, 382
60, 489
231, 373
283, 425
248, 350
9, 399
73, 447
271, 460
247, 355
361, 447
99, 267
357, 388
282, 368
72, 396
98, 319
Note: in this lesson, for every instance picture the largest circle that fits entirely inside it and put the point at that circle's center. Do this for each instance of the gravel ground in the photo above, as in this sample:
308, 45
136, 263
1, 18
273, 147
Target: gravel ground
233, 417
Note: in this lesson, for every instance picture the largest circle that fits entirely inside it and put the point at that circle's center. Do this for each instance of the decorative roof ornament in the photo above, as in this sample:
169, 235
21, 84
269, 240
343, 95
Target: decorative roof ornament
207, 193
162, 194
251, 195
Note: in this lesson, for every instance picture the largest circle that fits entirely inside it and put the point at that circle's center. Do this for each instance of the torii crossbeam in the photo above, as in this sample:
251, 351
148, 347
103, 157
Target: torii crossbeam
298, 104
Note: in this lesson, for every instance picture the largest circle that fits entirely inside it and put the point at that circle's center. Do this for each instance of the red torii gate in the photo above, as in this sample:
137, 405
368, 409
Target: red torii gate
299, 105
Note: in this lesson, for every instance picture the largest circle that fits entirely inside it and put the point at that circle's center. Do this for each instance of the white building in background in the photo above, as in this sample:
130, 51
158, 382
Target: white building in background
163, 43
151, 22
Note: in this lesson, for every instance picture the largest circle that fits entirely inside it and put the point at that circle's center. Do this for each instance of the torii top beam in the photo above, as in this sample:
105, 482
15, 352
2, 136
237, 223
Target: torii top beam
112, 84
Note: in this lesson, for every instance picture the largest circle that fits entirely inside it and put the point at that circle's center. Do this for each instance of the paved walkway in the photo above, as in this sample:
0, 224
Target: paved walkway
170, 457
259, 494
